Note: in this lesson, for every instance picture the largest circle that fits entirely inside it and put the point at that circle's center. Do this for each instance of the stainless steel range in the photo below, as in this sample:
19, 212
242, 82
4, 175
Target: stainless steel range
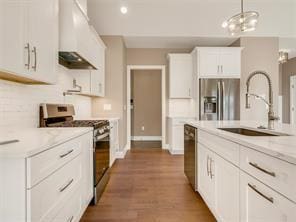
55, 115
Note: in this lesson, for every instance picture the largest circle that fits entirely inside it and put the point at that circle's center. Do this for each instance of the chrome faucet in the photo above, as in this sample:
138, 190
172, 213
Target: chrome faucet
271, 115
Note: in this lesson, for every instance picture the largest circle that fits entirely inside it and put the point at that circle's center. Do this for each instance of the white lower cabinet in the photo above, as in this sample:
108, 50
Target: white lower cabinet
253, 188
218, 184
61, 195
259, 203
114, 142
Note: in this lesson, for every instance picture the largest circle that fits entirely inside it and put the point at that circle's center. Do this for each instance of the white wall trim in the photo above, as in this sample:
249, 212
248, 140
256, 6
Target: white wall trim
176, 152
166, 147
163, 99
121, 154
146, 138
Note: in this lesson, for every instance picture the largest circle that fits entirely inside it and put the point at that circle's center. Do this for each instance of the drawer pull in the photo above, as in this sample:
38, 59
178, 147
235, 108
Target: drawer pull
66, 154
211, 170
70, 219
208, 171
255, 165
9, 142
66, 186
253, 187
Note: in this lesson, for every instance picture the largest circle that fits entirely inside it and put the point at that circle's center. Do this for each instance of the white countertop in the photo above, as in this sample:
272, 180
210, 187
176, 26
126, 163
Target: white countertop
35, 140
282, 147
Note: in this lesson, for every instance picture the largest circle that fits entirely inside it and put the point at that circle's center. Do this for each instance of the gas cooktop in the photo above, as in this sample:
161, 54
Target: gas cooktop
80, 123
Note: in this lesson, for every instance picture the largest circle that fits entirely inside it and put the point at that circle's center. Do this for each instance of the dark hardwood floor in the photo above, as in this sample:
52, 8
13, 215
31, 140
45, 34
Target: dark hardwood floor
149, 186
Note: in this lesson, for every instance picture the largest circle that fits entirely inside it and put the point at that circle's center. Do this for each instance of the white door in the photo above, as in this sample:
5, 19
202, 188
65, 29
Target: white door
293, 100
226, 190
208, 62
230, 62
14, 44
43, 35
205, 181
259, 203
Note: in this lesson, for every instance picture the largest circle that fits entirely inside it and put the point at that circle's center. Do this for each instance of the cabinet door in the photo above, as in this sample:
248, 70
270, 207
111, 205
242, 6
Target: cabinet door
95, 82
259, 203
180, 76
43, 36
177, 145
230, 61
208, 62
226, 190
205, 181
114, 143
14, 57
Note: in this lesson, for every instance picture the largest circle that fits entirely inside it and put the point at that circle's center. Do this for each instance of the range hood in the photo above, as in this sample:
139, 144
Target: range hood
78, 47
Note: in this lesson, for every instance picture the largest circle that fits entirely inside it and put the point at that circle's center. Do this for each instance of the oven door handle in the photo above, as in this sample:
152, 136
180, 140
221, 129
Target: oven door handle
100, 137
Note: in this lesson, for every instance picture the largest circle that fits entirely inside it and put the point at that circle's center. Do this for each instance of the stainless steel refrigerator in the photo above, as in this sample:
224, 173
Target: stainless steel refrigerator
219, 99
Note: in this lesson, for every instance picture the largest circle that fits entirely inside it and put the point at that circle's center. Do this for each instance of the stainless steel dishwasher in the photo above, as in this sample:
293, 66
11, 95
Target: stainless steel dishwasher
190, 154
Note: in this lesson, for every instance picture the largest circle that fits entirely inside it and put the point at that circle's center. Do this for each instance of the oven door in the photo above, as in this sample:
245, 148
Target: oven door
101, 156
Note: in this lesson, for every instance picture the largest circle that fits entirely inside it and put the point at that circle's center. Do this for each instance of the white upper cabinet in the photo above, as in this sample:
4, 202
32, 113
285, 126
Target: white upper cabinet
180, 76
218, 62
29, 45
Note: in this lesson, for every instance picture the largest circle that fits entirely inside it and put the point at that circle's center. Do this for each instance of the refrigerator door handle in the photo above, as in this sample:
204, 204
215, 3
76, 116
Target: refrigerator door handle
218, 100
222, 100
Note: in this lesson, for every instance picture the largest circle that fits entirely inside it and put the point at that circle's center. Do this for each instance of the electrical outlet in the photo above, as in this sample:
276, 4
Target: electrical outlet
143, 128
107, 107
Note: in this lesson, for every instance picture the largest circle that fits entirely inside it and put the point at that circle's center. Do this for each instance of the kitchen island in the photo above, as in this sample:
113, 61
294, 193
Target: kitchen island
247, 178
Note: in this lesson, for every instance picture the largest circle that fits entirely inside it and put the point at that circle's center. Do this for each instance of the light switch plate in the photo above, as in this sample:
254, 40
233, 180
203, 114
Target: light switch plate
107, 107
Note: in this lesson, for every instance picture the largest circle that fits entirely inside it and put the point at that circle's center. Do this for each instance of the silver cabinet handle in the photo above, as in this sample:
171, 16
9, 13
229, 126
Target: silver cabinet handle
211, 170
222, 69
70, 219
218, 69
34, 51
189, 92
208, 171
9, 142
66, 154
27, 47
255, 165
66, 186
253, 187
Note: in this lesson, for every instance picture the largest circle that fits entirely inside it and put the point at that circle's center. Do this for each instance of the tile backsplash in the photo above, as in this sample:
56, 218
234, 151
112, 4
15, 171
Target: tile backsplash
19, 103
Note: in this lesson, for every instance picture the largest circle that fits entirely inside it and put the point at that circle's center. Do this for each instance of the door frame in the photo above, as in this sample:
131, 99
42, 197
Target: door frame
292, 98
162, 68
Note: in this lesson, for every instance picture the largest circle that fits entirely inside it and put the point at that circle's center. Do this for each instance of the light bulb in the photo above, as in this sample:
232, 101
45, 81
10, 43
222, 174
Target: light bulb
224, 24
123, 9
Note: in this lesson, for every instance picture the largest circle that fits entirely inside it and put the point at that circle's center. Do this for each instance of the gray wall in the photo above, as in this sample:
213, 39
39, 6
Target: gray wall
287, 69
115, 85
259, 53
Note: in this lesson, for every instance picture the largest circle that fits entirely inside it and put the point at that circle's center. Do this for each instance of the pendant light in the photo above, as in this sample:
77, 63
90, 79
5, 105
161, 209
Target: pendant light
242, 22
283, 57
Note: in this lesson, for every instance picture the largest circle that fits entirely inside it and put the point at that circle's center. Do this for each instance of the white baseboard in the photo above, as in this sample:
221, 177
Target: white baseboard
176, 152
146, 138
121, 154
166, 147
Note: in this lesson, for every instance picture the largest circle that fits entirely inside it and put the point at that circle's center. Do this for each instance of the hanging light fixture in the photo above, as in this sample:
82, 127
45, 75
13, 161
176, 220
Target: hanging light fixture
283, 57
242, 22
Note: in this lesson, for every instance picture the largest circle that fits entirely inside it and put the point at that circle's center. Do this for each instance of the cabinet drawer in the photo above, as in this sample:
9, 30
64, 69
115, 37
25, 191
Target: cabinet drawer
71, 210
278, 174
259, 203
225, 148
44, 197
42, 165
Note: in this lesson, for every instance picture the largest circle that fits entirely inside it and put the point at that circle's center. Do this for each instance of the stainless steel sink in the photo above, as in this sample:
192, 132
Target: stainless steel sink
252, 132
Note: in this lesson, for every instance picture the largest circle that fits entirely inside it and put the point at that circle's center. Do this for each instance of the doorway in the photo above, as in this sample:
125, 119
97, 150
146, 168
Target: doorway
146, 106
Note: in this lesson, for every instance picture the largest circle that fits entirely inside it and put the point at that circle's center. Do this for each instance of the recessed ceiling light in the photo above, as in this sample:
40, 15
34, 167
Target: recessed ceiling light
123, 9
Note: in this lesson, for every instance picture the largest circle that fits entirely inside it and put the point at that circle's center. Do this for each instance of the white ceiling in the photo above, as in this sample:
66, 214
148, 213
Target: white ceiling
185, 23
